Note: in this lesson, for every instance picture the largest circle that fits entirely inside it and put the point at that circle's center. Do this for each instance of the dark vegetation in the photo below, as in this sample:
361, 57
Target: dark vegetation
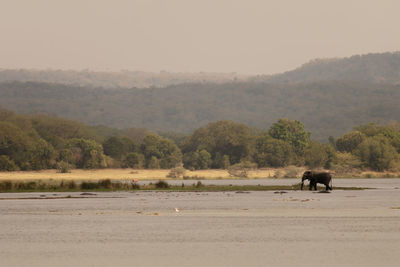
327, 108
108, 185
35, 142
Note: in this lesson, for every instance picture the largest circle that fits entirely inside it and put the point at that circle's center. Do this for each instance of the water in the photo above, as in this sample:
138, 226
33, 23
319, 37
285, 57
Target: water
297, 228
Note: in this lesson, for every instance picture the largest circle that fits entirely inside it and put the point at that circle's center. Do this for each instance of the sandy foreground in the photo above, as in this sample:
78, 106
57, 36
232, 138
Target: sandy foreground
297, 228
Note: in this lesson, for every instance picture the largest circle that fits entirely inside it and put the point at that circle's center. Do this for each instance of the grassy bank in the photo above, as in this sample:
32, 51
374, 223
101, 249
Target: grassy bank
108, 185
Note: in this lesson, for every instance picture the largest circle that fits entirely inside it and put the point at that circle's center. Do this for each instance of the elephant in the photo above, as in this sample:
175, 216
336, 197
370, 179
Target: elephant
324, 178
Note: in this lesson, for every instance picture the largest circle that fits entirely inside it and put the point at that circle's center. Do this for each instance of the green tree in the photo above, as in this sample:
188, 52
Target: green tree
292, 132
377, 153
204, 159
197, 160
7, 164
235, 140
134, 160
319, 155
154, 163
57, 131
117, 147
16, 145
87, 154
270, 152
166, 152
350, 141
42, 155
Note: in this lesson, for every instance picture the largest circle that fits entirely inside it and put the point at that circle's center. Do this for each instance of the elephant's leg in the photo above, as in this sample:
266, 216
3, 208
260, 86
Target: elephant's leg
311, 186
327, 187
315, 186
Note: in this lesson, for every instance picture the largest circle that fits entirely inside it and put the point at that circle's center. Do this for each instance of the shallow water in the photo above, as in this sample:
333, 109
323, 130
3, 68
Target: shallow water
370, 183
297, 228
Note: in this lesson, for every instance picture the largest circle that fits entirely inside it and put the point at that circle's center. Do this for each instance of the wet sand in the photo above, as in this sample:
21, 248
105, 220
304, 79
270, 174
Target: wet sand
297, 228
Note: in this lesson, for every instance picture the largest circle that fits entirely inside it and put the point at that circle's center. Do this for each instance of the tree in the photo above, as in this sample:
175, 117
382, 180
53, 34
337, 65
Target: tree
7, 164
221, 138
377, 153
273, 152
42, 156
15, 144
350, 141
153, 163
319, 155
391, 132
134, 160
161, 150
87, 154
57, 130
292, 132
117, 147
197, 160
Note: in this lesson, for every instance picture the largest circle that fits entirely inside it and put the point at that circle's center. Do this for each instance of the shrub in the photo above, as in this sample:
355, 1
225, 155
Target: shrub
63, 167
161, 184
5, 186
241, 169
199, 184
89, 185
71, 185
105, 183
176, 172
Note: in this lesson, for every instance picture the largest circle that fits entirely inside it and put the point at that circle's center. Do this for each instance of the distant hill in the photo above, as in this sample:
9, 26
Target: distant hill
111, 80
330, 96
325, 107
375, 68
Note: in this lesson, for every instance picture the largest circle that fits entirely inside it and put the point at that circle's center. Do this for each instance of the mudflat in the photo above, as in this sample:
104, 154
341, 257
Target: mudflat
292, 228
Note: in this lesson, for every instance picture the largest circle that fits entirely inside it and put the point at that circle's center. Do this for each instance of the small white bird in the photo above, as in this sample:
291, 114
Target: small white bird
176, 209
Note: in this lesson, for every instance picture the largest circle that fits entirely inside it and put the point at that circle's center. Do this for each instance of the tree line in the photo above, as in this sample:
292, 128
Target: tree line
36, 142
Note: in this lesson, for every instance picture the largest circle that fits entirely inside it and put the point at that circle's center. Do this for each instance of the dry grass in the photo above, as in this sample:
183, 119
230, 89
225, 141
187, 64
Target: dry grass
124, 174
129, 174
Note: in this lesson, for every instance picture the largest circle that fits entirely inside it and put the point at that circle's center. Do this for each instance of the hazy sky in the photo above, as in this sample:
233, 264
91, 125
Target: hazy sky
245, 36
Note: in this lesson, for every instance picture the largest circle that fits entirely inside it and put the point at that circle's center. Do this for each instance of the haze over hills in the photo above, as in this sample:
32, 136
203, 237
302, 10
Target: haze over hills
111, 80
329, 96
377, 68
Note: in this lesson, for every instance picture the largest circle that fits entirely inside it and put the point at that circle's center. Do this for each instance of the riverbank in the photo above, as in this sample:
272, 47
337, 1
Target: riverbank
145, 174
108, 185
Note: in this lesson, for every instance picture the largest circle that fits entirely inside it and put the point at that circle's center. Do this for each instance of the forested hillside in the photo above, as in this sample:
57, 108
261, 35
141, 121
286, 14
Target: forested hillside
326, 108
374, 68
329, 96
